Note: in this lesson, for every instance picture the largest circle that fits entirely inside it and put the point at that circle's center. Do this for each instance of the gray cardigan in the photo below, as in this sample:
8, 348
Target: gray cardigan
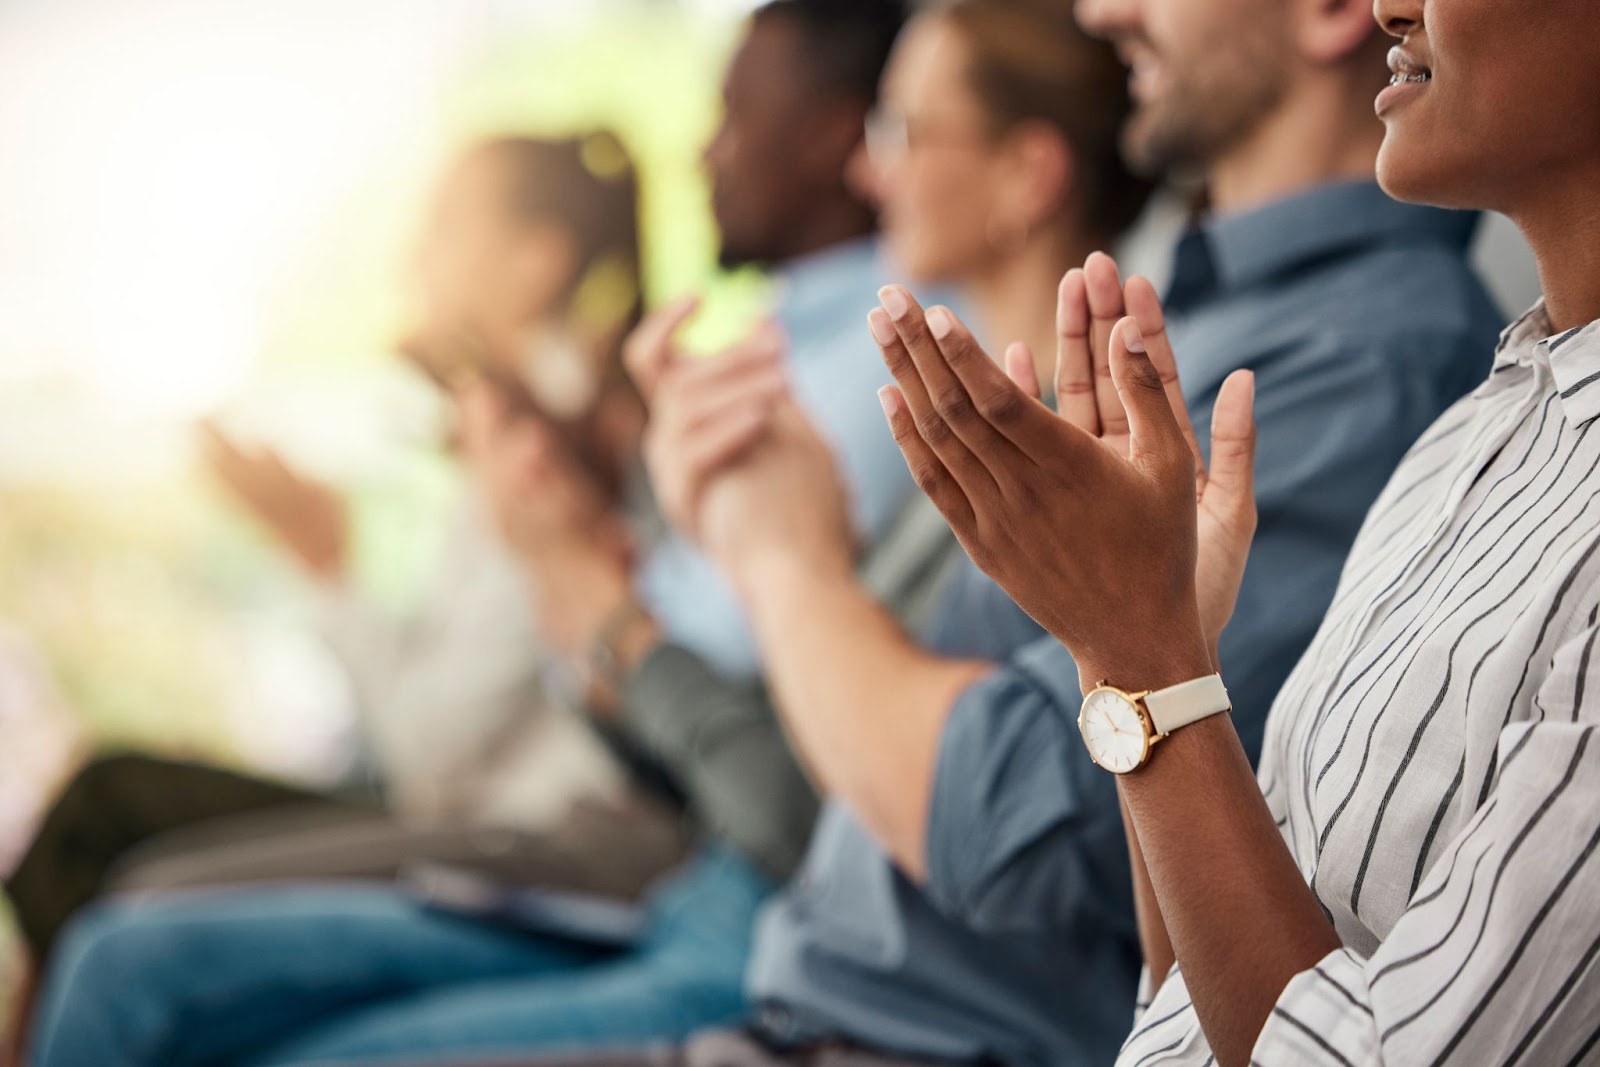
721, 740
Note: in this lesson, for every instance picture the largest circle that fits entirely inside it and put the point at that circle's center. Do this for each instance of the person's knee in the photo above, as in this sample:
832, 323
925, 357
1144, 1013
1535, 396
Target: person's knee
101, 977
94, 953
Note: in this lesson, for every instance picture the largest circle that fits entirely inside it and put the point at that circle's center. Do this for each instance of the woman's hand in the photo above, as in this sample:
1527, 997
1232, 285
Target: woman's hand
539, 494
307, 517
573, 546
1092, 301
1101, 522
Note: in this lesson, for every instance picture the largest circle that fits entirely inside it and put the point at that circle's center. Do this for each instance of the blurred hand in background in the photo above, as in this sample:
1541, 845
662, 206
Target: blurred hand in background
734, 461
307, 517
574, 544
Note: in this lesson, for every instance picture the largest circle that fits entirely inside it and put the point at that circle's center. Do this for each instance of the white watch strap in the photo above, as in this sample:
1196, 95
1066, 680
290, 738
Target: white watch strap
1190, 702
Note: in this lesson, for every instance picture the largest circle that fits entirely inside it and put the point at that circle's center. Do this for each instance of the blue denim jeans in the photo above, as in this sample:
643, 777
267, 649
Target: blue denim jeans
307, 975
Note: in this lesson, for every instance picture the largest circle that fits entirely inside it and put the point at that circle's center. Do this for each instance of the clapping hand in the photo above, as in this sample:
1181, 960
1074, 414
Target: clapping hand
1102, 522
306, 516
573, 544
734, 461
539, 494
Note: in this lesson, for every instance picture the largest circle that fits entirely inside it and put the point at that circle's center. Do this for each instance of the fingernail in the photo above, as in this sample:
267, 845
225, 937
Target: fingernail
882, 329
1133, 338
890, 400
894, 301
940, 323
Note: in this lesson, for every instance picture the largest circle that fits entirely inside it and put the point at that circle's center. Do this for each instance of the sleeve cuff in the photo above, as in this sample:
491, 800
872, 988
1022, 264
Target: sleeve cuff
1001, 784
1323, 1017
1145, 994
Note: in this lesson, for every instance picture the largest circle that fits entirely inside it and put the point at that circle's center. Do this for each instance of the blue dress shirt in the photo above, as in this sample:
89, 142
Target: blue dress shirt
835, 370
1362, 320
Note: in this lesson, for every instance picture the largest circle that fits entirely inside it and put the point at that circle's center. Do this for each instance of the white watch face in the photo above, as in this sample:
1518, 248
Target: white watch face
1113, 731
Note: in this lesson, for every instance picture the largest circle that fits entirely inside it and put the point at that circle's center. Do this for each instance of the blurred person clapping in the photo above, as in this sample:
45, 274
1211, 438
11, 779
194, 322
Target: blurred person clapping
527, 269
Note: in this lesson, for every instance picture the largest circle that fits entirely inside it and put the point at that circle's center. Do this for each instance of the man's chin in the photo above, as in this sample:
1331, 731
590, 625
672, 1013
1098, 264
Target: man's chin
1151, 147
1139, 143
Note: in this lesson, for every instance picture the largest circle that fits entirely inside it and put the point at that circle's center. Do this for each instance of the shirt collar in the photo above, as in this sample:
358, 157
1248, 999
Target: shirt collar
1238, 251
814, 283
1572, 356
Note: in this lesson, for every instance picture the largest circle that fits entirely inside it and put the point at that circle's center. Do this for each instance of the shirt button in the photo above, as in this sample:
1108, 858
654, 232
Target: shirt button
777, 1022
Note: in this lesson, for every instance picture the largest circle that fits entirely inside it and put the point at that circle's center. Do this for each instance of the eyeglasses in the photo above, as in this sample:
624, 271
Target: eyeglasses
888, 135
891, 135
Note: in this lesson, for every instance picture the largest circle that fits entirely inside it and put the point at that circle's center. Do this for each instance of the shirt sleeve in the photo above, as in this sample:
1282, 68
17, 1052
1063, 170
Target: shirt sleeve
1024, 832
722, 744
840, 394
469, 647
1494, 960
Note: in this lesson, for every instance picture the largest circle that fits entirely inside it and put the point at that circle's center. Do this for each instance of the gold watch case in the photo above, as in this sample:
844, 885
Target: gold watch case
1116, 728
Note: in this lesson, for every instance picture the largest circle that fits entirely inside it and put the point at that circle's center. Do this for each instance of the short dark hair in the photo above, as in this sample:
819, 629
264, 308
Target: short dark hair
848, 41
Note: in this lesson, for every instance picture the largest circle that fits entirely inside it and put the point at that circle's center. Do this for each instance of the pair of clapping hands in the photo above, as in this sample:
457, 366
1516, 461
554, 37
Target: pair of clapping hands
735, 463
1101, 520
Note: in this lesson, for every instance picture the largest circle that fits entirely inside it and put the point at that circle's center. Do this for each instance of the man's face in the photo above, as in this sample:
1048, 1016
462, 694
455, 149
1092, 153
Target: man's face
1205, 72
1499, 103
762, 174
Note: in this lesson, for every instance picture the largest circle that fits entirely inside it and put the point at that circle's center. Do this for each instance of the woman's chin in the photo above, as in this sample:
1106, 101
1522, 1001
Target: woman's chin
1416, 177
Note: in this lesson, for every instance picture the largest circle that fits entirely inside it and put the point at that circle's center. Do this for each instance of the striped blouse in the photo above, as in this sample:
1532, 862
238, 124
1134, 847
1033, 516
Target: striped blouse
1433, 762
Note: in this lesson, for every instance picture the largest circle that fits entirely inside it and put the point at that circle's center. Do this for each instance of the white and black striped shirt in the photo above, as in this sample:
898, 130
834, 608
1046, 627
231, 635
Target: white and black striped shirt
1434, 760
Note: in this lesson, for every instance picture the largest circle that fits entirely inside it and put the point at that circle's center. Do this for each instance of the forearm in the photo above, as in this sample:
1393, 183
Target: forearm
864, 706
582, 598
1153, 940
1241, 919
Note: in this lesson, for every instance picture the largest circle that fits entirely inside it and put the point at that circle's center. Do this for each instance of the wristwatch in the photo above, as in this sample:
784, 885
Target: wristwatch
1120, 728
605, 654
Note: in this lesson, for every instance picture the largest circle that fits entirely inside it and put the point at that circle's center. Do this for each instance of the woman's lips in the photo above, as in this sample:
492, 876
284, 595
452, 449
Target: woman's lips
1408, 78
1407, 68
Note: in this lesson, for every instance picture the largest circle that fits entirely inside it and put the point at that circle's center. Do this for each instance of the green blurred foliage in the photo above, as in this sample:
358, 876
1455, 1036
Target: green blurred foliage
131, 592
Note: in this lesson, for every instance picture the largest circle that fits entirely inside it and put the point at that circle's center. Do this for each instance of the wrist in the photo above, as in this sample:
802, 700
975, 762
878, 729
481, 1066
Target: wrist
324, 564
759, 570
1149, 666
625, 639
577, 590
634, 643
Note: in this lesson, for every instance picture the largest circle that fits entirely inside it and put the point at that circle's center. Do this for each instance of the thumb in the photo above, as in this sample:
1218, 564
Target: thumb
649, 350
1153, 428
1233, 443
1021, 369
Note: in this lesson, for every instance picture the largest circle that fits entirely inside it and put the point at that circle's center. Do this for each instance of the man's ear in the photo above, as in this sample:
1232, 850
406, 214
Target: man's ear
1332, 31
834, 136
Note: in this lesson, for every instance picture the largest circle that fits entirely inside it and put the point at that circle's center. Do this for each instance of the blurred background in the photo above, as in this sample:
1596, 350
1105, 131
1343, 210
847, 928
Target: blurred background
206, 210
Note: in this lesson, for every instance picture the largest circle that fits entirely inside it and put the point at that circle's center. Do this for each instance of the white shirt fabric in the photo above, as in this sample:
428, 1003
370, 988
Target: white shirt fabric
453, 699
1433, 762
